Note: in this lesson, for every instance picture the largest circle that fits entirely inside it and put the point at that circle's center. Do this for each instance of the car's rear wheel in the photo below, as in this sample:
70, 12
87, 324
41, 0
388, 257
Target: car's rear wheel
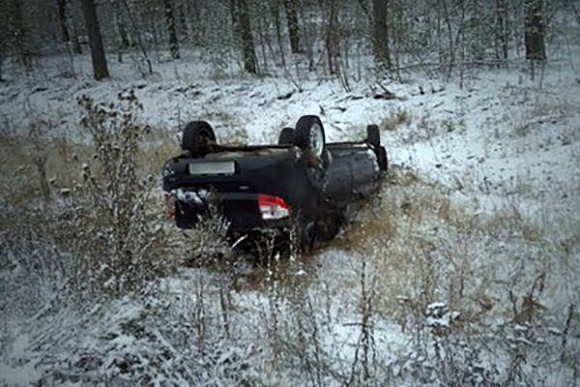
328, 226
286, 137
374, 136
374, 139
307, 235
310, 137
197, 137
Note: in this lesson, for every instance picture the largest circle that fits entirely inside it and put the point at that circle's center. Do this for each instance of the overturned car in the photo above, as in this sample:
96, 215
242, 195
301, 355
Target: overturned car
301, 185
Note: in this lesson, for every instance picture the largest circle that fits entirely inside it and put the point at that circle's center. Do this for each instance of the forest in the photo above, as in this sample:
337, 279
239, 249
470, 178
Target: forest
332, 36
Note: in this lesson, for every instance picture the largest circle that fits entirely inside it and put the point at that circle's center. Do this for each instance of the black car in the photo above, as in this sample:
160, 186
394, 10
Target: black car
302, 183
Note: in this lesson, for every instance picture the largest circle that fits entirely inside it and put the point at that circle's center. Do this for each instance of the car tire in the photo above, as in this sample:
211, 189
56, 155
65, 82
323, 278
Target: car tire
197, 137
287, 136
310, 137
307, 236
329, 226
374, 136
374, 139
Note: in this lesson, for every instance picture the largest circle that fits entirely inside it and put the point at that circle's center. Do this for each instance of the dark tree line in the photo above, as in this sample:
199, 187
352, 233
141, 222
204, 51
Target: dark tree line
330, 35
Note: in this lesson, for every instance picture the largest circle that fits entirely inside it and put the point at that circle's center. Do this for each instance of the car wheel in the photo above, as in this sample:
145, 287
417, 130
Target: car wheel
197, 137
374, 139
329, 226
286, 137
307, 236
374, 136
309, 136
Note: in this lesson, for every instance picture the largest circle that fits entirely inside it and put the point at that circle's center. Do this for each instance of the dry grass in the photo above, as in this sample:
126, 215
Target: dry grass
425, 248
63, 163
88, 203
418, 244
396, 118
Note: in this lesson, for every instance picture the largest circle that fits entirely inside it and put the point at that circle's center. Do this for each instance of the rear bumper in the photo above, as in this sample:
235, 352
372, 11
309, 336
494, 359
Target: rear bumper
240, 211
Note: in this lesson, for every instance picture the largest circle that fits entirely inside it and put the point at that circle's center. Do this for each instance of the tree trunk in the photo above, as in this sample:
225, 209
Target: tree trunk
332, 38
100, 69
76, 44
22, 34
439, 37
173, 43
242, 16
65, 36
501, 35
534, 31
293, 28
381, 32
183, 22
576, 12
275, 10
192, 12
123, 35
264, 40
123, 39
235, 17
451, 48
137, 33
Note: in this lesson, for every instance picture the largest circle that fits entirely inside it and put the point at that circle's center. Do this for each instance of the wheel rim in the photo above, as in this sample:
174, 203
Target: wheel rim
316, 140
204, 139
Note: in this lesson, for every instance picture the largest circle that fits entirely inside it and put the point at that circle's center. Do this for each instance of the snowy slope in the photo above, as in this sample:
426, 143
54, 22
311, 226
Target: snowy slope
483, 197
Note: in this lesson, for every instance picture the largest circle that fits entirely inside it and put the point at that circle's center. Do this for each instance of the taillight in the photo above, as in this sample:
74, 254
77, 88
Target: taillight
273, 207
171, 208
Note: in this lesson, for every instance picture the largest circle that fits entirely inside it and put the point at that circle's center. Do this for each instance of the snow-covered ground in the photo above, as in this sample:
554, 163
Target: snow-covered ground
467, 266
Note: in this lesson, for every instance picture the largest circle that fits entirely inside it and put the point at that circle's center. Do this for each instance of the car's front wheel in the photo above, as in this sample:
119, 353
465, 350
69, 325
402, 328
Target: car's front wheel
310, 137
287, 136
374, 140
307, 235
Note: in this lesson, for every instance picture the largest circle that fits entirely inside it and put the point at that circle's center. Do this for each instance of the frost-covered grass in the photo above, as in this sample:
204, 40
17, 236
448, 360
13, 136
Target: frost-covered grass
464, 271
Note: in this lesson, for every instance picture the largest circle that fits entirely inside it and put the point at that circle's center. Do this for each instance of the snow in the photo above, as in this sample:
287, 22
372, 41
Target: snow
19, 375
501, 149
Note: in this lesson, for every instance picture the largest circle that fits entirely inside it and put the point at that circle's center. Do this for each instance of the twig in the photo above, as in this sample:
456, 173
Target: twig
566, 329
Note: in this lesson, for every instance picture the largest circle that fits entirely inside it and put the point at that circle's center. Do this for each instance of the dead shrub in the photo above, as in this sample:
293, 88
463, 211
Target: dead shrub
120, 232
396, 119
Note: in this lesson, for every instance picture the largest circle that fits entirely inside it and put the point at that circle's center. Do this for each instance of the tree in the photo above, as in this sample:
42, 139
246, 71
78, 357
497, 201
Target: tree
293, 28
332, 37
21, 33
170, 19
123, 39
136, 31
100, 69
275, 11
241, 17
534, 30
64, 35
380, 32
501, 29
1, 60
